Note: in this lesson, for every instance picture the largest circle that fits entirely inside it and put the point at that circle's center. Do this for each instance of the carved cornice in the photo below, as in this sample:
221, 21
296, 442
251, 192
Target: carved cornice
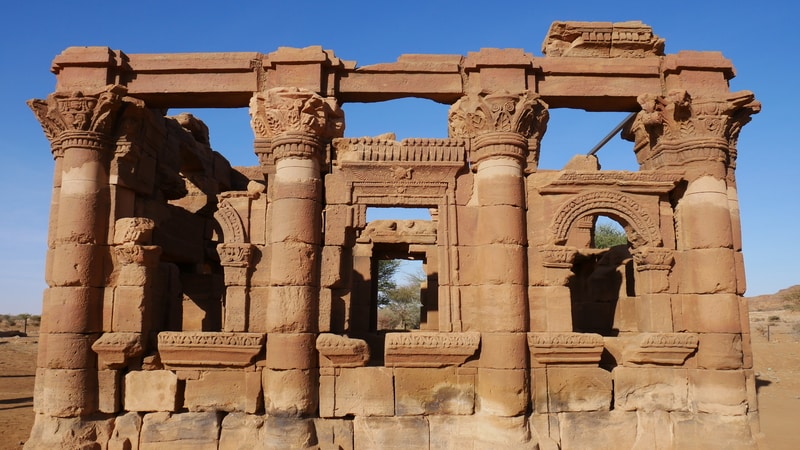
342, 351
675, 129
78, 120
602, 39
208, 349
660, 349
565, 348
428, 349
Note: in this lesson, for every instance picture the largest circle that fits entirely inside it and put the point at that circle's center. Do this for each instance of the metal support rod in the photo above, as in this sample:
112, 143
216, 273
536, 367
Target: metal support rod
612, 134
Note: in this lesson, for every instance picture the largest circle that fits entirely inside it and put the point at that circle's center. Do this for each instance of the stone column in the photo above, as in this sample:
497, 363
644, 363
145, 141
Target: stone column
697, 137
297, 125
501, 128
79, 128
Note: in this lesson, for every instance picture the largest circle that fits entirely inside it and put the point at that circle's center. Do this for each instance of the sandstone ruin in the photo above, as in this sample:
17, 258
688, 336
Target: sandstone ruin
196, 305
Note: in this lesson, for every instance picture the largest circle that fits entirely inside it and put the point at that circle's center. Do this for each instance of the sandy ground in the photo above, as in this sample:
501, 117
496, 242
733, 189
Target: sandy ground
776, 363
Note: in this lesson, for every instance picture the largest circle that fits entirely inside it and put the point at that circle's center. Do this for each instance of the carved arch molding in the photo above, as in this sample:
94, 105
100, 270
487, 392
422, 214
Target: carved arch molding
642, 229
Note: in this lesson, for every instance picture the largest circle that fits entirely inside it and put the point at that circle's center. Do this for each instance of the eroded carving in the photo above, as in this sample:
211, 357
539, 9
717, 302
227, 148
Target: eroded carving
602, 39
341, 351
425, 349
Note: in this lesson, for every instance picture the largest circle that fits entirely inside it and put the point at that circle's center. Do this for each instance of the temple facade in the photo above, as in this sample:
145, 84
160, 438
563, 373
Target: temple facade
192, 304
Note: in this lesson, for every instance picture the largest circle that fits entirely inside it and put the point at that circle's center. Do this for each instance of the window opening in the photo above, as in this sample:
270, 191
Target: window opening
573, 132
603, 278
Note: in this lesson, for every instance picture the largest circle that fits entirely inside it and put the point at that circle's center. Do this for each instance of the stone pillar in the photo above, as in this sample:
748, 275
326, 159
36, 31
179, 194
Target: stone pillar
297, 125
79, 128
501, 128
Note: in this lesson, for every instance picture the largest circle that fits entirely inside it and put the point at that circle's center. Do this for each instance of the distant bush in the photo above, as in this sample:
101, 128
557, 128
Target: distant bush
774, 318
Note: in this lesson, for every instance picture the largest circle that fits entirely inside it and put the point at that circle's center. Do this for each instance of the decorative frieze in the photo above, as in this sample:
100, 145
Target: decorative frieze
209, 349
424, 349
387, 149
565, 348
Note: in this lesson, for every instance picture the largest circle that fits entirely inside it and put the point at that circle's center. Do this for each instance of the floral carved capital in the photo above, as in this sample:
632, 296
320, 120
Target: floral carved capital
670, 124
524, 113
294, 110
84, 118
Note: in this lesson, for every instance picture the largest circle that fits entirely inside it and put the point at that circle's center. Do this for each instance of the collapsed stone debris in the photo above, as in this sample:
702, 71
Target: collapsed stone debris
195, 304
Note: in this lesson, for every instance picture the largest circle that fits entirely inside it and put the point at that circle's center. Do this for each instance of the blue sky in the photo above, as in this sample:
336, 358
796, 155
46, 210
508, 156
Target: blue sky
759, 37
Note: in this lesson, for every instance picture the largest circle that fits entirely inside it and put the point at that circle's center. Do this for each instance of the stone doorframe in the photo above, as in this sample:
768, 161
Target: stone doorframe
410, 173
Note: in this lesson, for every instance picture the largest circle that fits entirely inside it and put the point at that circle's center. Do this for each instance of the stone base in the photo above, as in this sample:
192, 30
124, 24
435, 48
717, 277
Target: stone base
614, 429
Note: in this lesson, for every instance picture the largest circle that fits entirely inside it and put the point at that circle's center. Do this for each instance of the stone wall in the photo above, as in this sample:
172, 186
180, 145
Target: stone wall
196, 305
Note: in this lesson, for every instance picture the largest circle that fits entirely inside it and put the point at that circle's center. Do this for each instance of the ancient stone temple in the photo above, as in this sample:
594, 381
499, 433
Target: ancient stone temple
192, 304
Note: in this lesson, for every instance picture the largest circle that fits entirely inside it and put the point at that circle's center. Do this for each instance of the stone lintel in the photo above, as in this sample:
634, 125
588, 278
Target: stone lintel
204, 349
427, 349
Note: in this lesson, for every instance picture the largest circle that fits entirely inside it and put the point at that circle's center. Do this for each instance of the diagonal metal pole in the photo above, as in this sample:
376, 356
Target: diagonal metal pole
613, 133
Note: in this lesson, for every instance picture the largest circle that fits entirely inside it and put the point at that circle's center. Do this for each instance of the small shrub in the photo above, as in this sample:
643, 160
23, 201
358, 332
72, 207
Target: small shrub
774, 318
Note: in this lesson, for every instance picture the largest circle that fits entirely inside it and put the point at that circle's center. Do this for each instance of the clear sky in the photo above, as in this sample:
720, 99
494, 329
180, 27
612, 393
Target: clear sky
759, 37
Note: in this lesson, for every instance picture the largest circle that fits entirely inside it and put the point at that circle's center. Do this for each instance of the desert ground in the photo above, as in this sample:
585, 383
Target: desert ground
776, 356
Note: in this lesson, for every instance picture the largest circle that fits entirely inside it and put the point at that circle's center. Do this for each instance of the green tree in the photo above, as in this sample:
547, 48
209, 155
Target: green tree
607, 236
398, 304
387, 269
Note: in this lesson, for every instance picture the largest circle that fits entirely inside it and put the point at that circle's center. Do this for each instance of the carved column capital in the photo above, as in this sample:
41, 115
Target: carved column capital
76, 119
674, 129
293, 122
500, 124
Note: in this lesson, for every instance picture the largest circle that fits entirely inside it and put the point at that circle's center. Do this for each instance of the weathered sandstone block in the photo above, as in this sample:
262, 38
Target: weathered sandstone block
151, 390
